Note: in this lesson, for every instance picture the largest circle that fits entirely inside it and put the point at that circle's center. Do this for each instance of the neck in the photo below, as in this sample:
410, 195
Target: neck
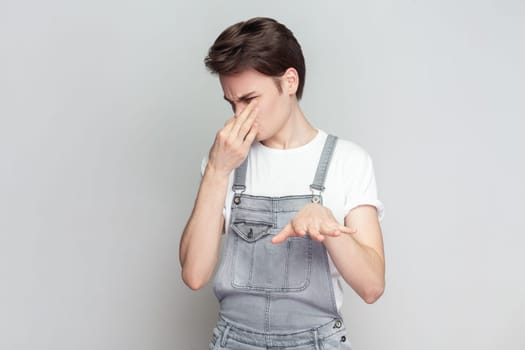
295, 132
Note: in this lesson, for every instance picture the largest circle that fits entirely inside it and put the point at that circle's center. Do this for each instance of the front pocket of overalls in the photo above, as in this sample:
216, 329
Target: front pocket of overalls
259, 264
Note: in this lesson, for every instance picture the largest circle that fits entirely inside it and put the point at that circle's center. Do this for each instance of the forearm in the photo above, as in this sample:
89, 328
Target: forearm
360, 266
200, 242
356, 248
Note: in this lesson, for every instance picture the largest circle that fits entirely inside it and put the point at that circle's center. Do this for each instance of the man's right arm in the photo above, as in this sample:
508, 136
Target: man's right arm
200, 241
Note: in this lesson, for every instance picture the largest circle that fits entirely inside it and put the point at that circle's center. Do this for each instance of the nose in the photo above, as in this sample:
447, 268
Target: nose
239, 107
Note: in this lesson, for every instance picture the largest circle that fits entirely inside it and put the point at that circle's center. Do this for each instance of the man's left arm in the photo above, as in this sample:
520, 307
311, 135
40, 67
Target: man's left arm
356, 248
359, 257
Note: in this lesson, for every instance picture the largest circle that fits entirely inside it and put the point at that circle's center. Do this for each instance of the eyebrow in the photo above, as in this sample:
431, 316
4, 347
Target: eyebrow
243, 97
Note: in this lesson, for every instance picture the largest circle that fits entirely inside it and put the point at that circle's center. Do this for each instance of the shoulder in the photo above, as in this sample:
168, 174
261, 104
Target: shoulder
351, 154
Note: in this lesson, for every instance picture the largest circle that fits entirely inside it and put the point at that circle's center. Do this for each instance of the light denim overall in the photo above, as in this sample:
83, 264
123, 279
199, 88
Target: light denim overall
275, 296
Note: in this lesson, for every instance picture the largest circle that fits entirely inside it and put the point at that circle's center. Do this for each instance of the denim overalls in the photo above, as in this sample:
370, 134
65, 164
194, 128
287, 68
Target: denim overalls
275, 296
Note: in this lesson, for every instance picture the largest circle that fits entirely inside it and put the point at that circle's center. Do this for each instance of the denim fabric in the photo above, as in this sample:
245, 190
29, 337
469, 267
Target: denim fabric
275, 296
330, 336
267, 286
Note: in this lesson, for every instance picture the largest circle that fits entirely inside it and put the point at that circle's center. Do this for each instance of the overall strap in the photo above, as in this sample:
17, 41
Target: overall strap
239, 180
324, 162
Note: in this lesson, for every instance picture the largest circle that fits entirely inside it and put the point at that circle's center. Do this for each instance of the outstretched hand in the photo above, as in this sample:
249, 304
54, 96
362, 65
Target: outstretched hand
314, 220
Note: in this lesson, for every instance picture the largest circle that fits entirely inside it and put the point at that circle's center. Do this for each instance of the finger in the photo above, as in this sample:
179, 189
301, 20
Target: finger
250, 137
225, 132
248, 123
243, 113
346, 229
299, 227
316, 235
340, 231
333, 233
300, 231
239, 120
331, 229
241, 127
282, 236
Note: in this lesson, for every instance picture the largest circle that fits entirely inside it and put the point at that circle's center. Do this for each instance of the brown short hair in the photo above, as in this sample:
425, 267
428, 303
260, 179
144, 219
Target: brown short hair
259, 43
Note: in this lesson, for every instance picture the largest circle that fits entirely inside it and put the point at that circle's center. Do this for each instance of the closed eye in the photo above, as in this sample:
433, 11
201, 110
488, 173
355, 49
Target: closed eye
244, 100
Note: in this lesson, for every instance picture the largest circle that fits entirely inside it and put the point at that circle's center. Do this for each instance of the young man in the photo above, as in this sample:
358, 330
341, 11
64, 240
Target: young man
299, 207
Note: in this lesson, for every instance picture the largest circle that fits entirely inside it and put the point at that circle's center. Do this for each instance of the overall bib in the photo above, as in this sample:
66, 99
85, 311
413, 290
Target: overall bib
275, 296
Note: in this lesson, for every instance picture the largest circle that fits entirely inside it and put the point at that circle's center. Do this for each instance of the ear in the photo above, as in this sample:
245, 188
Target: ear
290, 80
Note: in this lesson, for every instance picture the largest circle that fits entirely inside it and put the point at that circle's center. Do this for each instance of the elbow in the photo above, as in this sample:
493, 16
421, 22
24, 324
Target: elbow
193, 281
372, 294
194, 285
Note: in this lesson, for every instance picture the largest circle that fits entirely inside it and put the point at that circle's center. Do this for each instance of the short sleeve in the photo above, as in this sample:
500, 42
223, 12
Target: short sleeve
203, 165
363, 190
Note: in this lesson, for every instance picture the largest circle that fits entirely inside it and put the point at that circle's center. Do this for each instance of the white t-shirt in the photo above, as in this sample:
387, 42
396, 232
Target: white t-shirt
350, 180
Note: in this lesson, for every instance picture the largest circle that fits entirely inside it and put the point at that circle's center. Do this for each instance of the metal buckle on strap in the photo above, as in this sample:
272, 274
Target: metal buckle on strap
238, 189
316, 193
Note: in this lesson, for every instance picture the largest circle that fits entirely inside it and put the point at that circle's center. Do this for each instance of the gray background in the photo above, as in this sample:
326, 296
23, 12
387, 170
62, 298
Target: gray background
106, 111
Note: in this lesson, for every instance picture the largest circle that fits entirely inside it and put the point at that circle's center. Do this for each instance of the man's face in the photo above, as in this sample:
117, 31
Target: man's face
274, 106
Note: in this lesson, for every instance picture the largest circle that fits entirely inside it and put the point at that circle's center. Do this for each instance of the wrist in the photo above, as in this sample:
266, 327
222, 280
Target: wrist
212, 173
